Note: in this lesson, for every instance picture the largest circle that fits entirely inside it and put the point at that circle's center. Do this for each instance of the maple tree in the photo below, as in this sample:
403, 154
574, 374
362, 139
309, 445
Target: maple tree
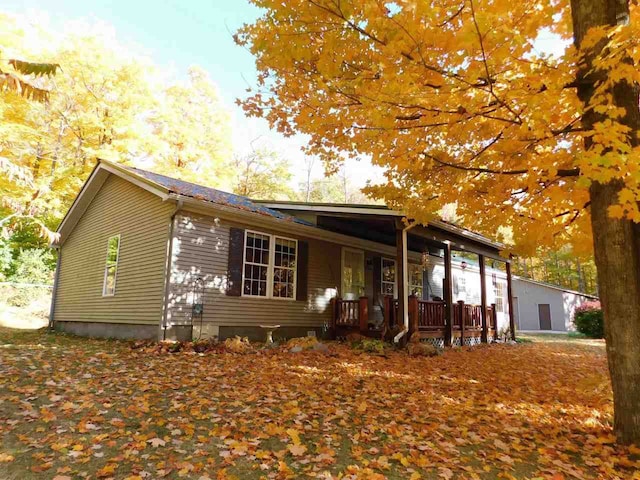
105, 101
460, 104
85, 408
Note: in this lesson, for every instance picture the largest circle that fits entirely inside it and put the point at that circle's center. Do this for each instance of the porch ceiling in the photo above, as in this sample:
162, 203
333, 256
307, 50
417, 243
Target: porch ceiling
351, 219
382, 229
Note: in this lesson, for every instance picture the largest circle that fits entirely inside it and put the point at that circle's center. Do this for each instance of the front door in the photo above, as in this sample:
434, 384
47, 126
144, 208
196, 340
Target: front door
544, 314
352, 274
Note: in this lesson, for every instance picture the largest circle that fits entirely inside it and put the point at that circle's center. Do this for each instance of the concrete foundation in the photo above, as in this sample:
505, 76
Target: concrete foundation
181, 333
109, 330
258, 334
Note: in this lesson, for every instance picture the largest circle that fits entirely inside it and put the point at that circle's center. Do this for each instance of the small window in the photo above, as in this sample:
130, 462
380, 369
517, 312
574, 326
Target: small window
270, 264
498, 291
111, 266
284, 268
416, 273
388, 280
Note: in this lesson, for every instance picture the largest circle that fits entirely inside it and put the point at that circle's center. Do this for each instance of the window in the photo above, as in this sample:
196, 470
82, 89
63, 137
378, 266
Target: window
498, 290
461, 284
284, 268
256, 264
111, 266
269, 268
388, 274
415, 279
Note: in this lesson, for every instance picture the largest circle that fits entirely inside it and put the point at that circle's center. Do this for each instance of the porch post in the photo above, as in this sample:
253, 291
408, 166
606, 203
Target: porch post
363, 314
413, 315
448, 295
494, 315
388, 305
400, 274
462, 318
512, 319
483, 300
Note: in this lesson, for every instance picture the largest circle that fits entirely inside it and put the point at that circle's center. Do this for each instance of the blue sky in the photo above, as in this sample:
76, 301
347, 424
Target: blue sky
172, 32
177, 34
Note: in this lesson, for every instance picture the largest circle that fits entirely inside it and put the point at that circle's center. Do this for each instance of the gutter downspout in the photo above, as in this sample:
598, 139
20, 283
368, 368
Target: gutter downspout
405, 284
55, 289
167, 271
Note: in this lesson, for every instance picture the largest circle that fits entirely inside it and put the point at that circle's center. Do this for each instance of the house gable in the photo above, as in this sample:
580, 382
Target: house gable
141, 219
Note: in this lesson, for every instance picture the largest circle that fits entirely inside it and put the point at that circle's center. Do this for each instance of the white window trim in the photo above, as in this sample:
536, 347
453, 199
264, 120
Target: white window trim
359, 252
106, 268
395, 275
270, 267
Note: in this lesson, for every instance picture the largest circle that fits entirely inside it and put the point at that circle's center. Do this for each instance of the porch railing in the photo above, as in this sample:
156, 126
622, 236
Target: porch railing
431, 315
350, 314
467, 315
427, 316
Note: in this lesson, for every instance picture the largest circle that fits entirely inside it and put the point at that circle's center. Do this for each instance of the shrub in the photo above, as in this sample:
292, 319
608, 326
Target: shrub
33, 266
18, 296
5, 259
371, 345
589, 320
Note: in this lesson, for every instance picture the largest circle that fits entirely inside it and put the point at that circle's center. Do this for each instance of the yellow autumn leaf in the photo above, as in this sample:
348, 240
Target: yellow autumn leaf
296, 450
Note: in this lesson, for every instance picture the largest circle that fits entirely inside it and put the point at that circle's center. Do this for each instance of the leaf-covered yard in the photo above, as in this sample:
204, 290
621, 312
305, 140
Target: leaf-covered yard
78, 408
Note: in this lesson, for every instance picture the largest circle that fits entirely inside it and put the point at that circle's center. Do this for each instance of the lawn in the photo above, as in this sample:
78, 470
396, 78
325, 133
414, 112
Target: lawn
78, 408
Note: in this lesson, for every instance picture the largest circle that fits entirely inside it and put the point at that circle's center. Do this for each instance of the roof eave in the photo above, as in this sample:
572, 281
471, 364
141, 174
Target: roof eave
376, 210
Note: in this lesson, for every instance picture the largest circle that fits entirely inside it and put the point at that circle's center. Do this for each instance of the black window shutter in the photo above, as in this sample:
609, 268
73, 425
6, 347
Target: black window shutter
377, 279
236, 255
302, 271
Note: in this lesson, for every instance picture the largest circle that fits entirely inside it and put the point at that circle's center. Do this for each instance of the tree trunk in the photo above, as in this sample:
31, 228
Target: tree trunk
617, 257
616, 241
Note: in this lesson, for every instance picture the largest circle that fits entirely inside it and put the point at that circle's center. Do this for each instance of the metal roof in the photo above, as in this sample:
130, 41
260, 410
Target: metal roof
272, 208
199, 192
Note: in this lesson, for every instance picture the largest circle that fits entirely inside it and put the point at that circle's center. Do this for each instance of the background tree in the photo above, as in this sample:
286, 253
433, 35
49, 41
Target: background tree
198, 146
262, 174
106, 101
309, 163
455, 99
334, 188
562, 268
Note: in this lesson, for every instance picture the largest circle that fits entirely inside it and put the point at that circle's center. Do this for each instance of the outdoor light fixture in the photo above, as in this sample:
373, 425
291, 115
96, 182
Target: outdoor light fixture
426, 260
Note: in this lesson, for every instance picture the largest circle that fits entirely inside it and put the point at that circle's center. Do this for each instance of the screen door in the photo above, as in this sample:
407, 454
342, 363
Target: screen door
352, 273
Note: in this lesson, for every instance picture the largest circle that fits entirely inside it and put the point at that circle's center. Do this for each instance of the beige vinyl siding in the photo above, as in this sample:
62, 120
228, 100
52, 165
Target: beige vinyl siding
142, 221
201, 249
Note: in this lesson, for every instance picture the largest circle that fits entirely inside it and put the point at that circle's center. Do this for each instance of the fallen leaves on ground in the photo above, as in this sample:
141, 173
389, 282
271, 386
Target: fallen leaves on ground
80, 408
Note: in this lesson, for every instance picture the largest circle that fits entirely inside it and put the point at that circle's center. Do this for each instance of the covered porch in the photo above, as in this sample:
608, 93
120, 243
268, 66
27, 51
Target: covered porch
441, 285
447, 284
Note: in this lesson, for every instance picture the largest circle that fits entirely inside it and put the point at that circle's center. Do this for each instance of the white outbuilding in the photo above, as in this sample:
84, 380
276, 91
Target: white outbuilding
542, 307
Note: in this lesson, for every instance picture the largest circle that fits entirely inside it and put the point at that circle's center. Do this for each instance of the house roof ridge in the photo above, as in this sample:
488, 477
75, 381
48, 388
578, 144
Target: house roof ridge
202, 192
266, 207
